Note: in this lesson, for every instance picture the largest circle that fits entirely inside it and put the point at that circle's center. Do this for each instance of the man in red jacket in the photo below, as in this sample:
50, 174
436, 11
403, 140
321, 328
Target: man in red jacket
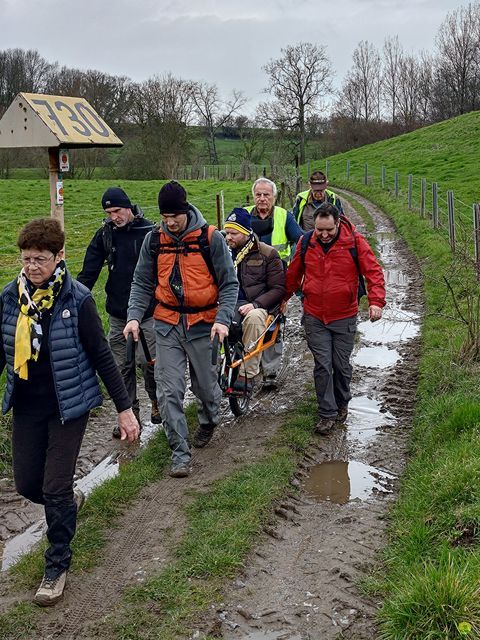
328, 270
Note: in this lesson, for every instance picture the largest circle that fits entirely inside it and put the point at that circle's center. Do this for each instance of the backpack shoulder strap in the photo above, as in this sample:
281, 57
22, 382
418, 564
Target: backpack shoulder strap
204, 240
305, 242
362, 289
108, 247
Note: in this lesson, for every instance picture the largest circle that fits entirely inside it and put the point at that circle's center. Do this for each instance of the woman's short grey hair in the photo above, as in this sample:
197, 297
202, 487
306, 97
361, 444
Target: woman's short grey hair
266, 181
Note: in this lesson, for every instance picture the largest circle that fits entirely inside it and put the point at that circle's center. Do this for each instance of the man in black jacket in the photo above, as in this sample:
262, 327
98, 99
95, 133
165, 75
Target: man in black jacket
117, 243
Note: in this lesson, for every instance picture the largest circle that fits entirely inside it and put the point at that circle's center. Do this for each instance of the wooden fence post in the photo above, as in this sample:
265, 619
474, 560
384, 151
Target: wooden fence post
435, 205
384, 175
451, 219
422, 197
410, 187
326, 169
348, 169
365, 175
219, 218
476, 236
395, 180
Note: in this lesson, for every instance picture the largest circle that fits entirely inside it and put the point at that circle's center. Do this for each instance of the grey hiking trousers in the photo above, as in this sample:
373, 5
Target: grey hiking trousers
174, 350
331, 346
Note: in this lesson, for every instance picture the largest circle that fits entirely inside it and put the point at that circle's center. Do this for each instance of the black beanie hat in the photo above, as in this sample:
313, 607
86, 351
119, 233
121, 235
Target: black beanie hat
172, 198
115, 197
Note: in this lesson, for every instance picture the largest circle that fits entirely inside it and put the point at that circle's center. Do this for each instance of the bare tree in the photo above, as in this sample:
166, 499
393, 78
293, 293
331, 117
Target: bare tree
366, 76
392, 54
298, 80
109, 95
213, 112
408, 89
22, 71
161, 109
458, 61
348, 104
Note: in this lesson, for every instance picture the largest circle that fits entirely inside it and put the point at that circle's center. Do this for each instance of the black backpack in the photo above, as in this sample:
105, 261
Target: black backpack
362, 289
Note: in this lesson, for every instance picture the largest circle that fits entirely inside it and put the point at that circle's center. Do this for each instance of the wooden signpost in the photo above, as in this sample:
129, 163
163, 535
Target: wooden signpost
57, 123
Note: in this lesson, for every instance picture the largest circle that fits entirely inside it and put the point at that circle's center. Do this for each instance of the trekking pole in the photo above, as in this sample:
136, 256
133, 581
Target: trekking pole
145, 348
215, 345
130, 347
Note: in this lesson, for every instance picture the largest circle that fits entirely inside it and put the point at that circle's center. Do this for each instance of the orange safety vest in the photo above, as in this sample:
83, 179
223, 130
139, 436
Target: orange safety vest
200, 291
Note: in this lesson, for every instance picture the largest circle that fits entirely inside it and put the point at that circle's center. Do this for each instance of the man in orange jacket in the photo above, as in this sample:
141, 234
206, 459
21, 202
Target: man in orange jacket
327, 268
186, 265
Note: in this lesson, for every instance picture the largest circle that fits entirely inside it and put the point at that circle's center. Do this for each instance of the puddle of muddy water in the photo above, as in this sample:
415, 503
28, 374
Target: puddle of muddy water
340, 482
376, 357
25, 541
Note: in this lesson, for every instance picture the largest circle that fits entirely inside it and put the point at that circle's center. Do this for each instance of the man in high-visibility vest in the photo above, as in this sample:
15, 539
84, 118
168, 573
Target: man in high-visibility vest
307, 202
277, 227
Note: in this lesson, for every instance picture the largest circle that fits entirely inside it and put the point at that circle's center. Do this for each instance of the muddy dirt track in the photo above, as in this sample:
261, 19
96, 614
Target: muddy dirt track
300, 582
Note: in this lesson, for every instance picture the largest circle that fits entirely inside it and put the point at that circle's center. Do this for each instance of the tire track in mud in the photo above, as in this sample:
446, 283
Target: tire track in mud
302, 582
142, 541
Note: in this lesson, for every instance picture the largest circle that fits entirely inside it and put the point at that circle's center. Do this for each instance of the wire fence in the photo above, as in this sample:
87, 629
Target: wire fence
446, 212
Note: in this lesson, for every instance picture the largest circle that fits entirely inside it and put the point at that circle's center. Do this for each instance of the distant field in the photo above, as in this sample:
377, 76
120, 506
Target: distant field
23, 200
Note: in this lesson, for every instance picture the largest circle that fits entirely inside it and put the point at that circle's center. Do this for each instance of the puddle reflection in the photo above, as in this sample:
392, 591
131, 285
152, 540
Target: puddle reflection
365, 417
376, 357
396, 325
339, 482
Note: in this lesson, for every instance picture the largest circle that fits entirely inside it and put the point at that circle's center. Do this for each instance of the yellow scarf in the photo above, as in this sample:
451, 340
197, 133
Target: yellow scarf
28, 334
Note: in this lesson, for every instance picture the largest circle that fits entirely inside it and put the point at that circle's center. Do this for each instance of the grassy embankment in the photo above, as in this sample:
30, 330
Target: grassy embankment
431, 582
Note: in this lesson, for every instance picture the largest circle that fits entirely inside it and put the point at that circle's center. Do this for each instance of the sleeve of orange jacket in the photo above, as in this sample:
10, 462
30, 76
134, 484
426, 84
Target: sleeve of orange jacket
295, 272
372, 272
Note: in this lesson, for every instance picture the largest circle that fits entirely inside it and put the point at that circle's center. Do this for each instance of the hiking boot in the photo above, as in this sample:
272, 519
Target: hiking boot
155, 416
270, 381
181, 470
78, 498
202, 436
324, 426
50, 590
342, 415
242, 384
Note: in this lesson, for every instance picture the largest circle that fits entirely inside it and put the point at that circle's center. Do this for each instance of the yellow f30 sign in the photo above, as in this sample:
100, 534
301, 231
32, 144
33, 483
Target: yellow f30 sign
36, 120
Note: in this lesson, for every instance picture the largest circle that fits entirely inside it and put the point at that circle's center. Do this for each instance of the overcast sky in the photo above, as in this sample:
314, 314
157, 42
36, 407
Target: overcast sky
224, 42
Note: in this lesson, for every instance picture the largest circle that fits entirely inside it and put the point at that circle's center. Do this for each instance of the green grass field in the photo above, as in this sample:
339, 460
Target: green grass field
23, 200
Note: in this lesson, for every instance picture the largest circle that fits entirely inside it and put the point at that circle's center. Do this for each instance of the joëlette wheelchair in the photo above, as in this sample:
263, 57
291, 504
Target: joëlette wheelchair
233, 353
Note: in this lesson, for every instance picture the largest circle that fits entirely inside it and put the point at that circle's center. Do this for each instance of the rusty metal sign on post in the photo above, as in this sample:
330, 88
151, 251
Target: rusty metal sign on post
55, 123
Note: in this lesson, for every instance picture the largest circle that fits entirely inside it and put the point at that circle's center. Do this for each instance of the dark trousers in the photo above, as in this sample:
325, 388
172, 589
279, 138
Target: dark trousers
45, 452
331, 346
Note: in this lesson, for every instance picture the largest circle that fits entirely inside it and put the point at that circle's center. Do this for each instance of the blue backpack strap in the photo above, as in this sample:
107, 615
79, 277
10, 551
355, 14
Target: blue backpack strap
305, 242
362, 289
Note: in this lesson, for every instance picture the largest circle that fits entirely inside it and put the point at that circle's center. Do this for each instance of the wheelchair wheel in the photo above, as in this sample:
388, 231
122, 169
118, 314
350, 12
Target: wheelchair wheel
239, 404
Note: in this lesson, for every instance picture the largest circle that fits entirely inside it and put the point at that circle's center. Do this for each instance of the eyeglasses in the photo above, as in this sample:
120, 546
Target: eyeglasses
39, 261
